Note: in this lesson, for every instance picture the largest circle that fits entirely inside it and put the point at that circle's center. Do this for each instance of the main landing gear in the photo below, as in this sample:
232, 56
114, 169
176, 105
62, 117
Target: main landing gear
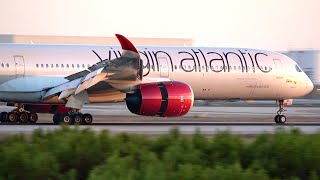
72, 118
18, 115
280, 118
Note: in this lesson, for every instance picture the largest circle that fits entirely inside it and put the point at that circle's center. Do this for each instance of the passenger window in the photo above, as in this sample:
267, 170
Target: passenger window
175, 66
78, 66
83, 66
47, 65
7, 64
57, 65
72, 65
2, 65
42, 66
67, 65
52, 65
37, 65
62, 65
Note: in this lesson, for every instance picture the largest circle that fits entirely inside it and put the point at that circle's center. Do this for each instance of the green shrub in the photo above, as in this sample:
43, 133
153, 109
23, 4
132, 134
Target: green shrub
285, 154
74, 153
225, 149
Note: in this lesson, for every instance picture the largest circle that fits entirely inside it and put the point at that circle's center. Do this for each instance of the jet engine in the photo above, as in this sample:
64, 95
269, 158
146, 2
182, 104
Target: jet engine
166, 99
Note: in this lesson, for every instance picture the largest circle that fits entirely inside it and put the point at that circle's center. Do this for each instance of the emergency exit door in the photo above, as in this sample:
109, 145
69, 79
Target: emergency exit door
164, 66
19, 65
279, 70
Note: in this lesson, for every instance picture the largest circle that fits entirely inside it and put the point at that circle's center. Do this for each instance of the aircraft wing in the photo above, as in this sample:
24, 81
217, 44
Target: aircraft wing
121, 73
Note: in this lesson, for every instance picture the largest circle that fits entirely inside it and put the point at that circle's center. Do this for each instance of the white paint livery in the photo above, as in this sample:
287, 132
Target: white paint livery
54, 74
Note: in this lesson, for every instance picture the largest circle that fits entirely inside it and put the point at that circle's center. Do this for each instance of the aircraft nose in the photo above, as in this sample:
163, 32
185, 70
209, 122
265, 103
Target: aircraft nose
309, 86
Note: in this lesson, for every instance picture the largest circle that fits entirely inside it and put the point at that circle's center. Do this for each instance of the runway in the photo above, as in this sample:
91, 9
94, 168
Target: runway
186, 128
223, 110
237, 118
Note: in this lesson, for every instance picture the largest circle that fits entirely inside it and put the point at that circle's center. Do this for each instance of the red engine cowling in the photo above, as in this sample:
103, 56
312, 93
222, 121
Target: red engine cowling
167, 99
46, 108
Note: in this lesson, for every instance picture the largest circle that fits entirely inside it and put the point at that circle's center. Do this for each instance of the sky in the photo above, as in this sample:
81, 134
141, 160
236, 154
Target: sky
264, 24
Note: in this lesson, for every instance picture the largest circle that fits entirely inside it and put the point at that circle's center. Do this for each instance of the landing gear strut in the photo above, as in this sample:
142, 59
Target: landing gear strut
18, 115
72, 117
280, 118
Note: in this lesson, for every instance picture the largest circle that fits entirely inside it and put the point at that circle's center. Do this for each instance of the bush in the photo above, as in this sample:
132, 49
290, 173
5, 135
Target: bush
73, 153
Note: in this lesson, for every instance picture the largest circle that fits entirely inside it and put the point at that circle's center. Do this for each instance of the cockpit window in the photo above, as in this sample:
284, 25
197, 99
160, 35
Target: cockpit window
298, 68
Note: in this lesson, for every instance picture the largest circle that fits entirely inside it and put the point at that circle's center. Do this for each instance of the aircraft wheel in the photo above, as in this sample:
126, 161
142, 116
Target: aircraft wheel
12, 117
87, 119
33, 117
3, 116
56, 118
67, 119
77, 119
276, 119
282, 119
23, 117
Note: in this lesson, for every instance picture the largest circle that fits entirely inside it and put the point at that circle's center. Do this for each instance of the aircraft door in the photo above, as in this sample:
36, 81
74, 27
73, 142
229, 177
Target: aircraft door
19, 65
279, 75
164, 66
279, 70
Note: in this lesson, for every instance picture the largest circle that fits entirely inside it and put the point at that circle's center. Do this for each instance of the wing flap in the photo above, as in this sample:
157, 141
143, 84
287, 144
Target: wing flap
66, 93
62, 87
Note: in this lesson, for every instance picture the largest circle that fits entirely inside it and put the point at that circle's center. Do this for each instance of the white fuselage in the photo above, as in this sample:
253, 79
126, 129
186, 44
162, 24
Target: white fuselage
27, 71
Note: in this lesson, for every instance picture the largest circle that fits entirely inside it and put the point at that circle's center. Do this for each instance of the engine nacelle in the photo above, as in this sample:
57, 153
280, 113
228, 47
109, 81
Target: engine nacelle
46, 108
167, 99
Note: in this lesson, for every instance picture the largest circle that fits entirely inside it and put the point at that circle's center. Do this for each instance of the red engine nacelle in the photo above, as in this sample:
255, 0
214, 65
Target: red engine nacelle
46, 108
167, 99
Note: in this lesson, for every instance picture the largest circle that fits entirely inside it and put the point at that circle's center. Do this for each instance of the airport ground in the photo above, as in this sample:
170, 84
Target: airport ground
262, 111
208, 117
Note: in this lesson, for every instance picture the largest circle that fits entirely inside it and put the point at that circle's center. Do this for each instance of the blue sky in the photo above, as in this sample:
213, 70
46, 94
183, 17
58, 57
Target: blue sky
266, 24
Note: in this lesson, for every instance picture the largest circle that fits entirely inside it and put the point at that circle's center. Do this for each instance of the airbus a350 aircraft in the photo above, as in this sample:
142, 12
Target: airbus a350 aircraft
154, 81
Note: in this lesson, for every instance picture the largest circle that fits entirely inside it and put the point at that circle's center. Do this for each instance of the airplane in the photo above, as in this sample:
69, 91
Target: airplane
153, 81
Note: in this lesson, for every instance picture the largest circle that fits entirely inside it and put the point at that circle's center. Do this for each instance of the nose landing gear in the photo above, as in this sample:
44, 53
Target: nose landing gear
280, 118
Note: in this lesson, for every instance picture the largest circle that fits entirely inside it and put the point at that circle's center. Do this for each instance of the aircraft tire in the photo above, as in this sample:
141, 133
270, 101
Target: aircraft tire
66, 119
3, 116
276, 119
23, 117
78, 119
282, 119
33, 117
56, 119
87, 119
12, 117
